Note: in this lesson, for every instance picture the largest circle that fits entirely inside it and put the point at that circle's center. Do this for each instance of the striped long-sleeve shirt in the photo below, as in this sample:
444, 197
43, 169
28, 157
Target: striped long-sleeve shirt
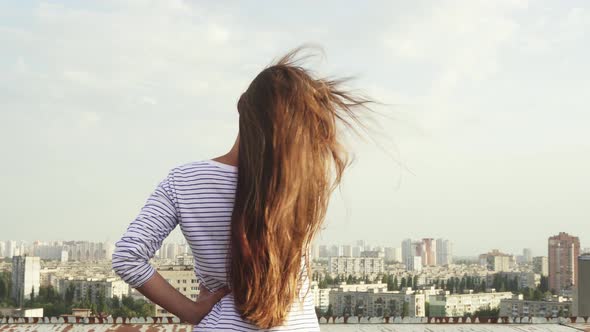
199, 197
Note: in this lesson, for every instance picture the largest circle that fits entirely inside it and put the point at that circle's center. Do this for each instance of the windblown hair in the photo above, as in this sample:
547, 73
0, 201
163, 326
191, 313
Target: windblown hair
290, 160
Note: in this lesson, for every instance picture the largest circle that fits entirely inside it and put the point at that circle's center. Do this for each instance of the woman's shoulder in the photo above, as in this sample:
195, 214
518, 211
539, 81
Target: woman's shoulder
202, 167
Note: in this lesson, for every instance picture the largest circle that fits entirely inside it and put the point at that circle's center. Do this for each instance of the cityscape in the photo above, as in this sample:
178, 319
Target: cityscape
419, 278
466, 199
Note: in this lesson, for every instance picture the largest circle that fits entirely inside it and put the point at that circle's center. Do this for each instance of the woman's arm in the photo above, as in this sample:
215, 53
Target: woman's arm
159, 291
144, 236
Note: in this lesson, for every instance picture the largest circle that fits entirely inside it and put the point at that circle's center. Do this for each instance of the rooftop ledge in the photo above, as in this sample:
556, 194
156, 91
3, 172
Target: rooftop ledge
349, 320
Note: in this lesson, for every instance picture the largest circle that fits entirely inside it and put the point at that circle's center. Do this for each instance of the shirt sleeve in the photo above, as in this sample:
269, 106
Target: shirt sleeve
144, 236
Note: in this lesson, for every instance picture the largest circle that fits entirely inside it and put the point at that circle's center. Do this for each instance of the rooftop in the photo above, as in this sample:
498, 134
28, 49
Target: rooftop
405, 325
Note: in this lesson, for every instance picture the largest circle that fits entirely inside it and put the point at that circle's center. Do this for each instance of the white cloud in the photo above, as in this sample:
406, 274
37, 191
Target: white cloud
88, 119
147, 100
461, 41
21, 67
481, 92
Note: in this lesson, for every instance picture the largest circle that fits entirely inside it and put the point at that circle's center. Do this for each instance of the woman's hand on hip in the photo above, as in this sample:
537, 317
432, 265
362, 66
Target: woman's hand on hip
205, 302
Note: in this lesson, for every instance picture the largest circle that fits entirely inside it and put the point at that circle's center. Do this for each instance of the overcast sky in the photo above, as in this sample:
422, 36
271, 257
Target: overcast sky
486, 140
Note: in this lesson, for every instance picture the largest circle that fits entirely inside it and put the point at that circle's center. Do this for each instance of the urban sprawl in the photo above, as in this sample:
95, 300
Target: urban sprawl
420, 278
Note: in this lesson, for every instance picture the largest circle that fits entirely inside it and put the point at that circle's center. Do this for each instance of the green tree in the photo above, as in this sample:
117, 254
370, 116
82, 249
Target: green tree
390, 282
452, 285
127, 301
496, 282
514, 288
386, 312
350, 280
124, 312
329, 280
469, 282
144, 309
6, 278
329, 311
115, 303
482, 286
3, 289
405, 309
561, 313
359, 309
395, 284
49, 300
487, 312
69, 294
101, 305
55, 309
544, 285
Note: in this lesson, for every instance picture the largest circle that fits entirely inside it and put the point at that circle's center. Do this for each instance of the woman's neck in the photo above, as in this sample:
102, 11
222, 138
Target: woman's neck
230, 158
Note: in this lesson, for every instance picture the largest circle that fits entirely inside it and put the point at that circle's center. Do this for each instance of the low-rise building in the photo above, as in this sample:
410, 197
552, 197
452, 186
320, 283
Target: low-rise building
21, 312
185, 259
181, 277
373, 253
25, 278
356, 266
430, 291
321, 296
496, 261
525, 279
375, 301
518, 307
49, 277
92, 288
541, 265
393, 254
583, 286
457, 305
414, 263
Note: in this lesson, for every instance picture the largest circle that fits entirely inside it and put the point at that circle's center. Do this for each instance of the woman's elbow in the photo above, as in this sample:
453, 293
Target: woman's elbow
131, 268
120, 265
124, 261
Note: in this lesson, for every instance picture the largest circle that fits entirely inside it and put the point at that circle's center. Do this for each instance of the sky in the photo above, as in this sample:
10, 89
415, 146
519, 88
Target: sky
483, 136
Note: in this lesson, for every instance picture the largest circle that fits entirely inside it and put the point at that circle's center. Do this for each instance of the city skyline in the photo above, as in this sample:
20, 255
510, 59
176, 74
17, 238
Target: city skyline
179, 240
419, 275
484, 140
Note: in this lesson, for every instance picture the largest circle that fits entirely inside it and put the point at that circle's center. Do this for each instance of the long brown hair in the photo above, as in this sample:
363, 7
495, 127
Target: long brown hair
290, 159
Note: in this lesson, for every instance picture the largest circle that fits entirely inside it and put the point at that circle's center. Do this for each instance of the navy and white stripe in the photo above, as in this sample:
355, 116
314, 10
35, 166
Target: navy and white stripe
198, 196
